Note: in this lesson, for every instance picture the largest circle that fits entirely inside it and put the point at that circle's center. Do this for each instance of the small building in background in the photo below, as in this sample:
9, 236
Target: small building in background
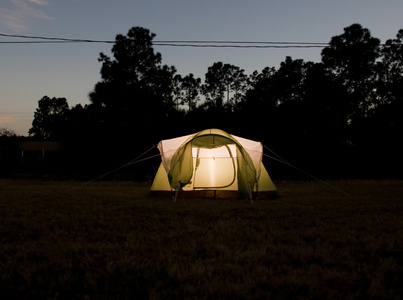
40, 155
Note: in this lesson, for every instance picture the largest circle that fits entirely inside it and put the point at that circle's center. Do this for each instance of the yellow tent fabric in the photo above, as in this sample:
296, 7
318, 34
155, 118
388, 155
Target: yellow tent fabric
212, 160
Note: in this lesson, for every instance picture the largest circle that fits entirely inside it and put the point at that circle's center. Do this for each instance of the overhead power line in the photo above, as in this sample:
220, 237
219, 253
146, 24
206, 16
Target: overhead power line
48, 39
201, 44
251, 45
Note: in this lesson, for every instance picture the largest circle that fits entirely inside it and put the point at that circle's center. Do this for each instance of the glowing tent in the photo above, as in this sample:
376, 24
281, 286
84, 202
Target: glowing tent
212, 163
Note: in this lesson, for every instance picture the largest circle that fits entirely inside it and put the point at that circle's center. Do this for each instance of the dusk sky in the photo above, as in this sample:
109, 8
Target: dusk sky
30, 71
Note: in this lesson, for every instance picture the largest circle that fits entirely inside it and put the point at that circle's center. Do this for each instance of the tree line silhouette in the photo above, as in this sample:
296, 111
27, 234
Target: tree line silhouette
338, 118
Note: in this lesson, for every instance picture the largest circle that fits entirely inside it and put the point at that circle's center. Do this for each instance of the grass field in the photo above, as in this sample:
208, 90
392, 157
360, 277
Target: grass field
110, 240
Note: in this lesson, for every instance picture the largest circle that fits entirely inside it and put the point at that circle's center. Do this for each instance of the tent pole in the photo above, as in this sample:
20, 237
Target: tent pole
177, 191
249, 186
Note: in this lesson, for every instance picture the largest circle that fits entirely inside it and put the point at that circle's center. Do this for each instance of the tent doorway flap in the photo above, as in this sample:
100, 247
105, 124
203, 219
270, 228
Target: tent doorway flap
214, 168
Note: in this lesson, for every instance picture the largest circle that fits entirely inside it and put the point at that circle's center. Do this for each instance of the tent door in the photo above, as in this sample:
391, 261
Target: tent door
214, 172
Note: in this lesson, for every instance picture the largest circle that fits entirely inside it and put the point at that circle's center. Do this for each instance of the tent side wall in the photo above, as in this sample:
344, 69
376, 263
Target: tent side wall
161, 182
265, 182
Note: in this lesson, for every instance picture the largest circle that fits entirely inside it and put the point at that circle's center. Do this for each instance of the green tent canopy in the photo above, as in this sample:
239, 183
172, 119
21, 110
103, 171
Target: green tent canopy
212, 163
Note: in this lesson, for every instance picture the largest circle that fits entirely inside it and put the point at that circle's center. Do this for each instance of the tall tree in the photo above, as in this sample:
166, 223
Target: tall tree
288, 81
224, 84
391, 70
386, 123
50, 118
187, 90
352, 57
323, 111
260, 94
136, 89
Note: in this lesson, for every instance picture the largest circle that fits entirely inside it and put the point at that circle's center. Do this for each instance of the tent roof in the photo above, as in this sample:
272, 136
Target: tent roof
168, 147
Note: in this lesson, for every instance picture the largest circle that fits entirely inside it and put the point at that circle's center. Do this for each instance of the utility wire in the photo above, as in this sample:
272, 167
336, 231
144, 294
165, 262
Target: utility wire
191, 43
174, 43
51, 39
236, 46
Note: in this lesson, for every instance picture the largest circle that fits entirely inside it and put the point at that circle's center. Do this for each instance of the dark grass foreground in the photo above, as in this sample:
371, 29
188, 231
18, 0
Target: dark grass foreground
111, 241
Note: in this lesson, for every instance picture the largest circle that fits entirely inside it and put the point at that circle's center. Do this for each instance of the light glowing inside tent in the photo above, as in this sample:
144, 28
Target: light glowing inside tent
214, 168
